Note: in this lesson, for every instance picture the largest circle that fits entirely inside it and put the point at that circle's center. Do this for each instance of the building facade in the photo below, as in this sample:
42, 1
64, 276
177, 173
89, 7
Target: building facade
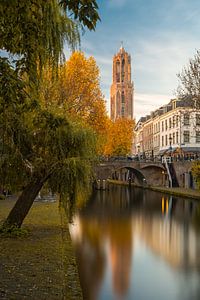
172, 129
121, 92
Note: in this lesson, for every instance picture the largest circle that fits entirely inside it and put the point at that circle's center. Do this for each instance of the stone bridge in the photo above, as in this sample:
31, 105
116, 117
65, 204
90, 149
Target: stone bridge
139, 172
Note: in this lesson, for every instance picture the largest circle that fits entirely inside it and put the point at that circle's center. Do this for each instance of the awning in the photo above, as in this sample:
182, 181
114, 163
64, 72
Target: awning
190, 149
180, 151
167, 151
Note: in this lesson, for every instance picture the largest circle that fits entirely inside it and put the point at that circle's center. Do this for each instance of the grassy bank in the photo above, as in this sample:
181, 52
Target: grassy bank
41, 265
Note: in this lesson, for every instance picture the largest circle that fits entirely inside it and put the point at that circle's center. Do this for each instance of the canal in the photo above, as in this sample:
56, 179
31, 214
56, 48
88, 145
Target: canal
138, 244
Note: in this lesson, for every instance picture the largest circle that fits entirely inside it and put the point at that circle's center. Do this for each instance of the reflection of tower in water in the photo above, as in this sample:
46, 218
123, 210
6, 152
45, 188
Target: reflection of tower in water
90, 256
113, 224
120, 234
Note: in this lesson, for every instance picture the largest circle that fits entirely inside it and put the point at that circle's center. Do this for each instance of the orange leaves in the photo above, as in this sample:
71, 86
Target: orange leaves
80, 84
76, 91
120, 137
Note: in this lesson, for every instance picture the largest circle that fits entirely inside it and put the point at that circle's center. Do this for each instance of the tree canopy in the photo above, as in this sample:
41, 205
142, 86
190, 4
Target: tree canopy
40, 144
84, 11
77, 90
189, 87
120, 137
35, 31
189, 90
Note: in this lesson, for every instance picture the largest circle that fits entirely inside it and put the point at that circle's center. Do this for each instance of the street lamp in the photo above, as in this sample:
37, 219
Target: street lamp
163, 178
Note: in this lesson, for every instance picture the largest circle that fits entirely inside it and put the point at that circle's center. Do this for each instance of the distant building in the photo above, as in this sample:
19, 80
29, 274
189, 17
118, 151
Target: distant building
121, 92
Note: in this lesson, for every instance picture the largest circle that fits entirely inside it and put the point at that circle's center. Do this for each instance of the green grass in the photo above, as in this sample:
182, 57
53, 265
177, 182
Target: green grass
40, 265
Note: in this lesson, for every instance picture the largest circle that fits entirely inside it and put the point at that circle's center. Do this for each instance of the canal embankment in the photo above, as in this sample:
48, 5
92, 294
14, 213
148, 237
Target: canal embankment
40, 265
177, 191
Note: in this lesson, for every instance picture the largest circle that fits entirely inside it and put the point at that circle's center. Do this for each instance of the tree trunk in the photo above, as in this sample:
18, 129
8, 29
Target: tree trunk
23, 204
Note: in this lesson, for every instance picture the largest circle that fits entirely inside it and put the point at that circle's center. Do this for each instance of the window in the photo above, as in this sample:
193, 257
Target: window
165, 124
162, 141
173, 138
123, 73
197, 119
197, 136
170, 123
122, 111
123, 97
173, 121
177, 137
186, 119
186, 136
166, 140
162, 125
170, 137
118, 71
177, 118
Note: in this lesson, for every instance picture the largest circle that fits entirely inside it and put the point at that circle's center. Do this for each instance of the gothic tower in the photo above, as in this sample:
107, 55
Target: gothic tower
121, 92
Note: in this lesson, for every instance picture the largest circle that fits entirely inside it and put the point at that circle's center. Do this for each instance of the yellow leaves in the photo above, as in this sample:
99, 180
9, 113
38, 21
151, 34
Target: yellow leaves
81, 86
76, 91
120, 137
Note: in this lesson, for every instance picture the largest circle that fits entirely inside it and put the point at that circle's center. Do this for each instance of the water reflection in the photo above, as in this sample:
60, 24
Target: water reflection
138, 244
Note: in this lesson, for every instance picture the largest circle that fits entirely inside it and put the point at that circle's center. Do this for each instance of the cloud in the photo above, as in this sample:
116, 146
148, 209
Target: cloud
144, 104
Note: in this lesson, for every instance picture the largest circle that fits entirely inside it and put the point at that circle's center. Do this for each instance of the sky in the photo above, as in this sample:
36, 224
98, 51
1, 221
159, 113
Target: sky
161, 36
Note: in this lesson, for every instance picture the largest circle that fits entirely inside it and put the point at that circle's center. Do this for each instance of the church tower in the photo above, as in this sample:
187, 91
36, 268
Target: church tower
121, 92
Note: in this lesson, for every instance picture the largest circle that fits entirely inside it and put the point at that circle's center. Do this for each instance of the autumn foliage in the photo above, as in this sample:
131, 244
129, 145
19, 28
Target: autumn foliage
120, 137
76, 89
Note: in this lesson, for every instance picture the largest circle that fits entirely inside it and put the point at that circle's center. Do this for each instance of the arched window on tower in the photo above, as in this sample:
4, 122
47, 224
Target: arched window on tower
118, 104
117, 71
123, 104
123, 69
123, 97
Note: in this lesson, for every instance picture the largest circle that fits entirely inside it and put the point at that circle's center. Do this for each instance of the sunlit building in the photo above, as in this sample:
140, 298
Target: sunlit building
121, 92
173, 128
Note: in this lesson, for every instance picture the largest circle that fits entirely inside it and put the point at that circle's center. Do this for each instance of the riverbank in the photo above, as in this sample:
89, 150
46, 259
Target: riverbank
178, 191
41, 265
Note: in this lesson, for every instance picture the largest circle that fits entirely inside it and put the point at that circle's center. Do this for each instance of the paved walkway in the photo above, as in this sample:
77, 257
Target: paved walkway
179, 191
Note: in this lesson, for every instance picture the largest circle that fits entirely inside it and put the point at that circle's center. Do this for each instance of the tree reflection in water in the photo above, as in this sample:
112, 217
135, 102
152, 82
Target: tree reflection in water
106, 231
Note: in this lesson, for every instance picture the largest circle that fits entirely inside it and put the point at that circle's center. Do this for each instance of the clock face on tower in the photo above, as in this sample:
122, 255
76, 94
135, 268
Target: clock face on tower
121, 92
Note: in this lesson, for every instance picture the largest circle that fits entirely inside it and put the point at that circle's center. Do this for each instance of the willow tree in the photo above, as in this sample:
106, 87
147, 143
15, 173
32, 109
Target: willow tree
37, 30
39, 145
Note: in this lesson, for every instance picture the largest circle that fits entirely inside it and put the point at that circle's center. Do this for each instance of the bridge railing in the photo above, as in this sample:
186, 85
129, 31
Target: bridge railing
160, 159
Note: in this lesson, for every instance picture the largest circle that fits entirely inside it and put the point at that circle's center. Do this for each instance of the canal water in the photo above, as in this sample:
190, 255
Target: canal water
138, 244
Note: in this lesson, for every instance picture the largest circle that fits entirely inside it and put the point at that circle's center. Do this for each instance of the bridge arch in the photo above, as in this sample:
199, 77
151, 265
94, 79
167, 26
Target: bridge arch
155, 174
135, 175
